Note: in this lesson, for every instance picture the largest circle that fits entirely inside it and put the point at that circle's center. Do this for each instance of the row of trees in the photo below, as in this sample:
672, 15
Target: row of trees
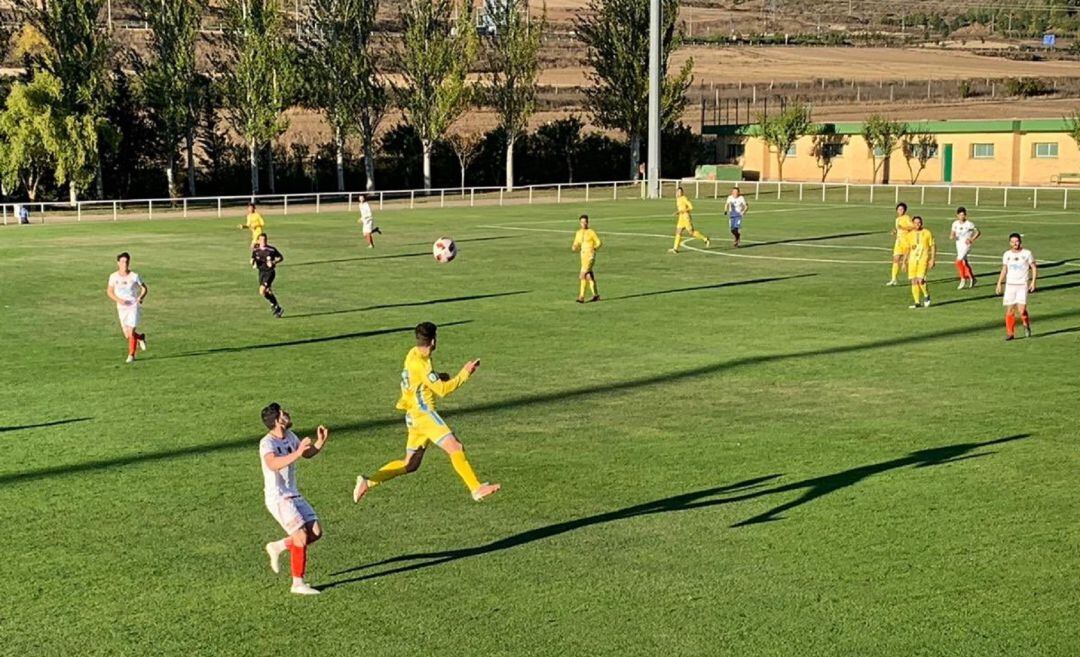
882, 135
59, 123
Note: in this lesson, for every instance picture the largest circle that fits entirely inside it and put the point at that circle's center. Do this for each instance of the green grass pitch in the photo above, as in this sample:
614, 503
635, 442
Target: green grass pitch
752, 452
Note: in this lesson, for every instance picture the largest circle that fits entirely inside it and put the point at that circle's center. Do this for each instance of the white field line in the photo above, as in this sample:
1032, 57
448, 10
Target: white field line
761, 257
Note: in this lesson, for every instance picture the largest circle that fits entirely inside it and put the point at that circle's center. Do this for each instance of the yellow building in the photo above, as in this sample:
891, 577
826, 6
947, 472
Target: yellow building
1030, 152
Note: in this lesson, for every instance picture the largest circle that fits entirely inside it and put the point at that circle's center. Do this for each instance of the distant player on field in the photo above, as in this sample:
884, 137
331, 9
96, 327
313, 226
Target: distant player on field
420, 385
683, 208
266, 258
1018, 274
367, 220
922, 256
964, 233
127, 289
735, 208
254, 223
588, 243
901, 232
279, 450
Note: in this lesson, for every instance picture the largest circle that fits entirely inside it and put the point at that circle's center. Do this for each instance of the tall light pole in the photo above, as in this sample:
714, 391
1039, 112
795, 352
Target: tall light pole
653, 160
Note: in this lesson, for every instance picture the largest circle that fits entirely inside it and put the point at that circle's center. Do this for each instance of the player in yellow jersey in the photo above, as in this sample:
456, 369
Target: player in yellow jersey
683, 208
588, 243
420, 385
922, 257
901, 232
255, 224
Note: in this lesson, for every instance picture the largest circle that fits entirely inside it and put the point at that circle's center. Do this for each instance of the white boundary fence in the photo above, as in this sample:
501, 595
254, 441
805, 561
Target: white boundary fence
833, 193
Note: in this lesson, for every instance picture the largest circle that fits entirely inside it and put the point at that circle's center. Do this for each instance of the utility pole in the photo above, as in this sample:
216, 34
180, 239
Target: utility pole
653, 165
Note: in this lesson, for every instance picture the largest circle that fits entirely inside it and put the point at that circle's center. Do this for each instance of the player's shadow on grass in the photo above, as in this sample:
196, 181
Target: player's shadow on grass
744, 491
40, 425
820, 238
989, 279
357, 259
409, 304
1042, 289
293, 343
716, 286
1064, 331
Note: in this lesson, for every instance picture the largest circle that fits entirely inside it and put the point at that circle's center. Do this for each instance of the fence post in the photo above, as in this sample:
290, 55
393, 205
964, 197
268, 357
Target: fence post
558, 193
442, 198
697, 189
5, 214
614, 191
500, 196
114, 210
472, 196
1035, 199
976, 197
1066, 205
922, 195
380, 200
318, 203
949, 196
800, 191
757, 189
822, 192
285, 203
896, 194
586, 192
847, 192
871, 193
1006, 203
185, 208
78, 211
349, 207
150, 212
412, 198
219, 207
530, 194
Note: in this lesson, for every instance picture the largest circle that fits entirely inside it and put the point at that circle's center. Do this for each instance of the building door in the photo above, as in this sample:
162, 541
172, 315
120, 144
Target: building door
946, 164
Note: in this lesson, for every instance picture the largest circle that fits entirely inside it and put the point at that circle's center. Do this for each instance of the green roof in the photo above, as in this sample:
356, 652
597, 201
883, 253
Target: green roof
932, 127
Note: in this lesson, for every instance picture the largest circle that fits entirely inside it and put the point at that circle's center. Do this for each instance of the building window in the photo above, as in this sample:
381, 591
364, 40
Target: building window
1046, 150
879, 151
735, 151
791, 151
982, 151
931, 151
832, 151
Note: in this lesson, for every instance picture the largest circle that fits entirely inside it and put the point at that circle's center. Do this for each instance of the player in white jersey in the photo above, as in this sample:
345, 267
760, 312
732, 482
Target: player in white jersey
279, 450
127, 290
964, 233
367, 220
735, 208
1018, 274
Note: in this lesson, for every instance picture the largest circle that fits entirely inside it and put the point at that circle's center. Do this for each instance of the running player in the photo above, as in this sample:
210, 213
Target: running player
420, 385
901, 231
735, 208
588, 243
128, 290
922, 257
367, 220
255, 224
279, 450
964, 233
1018, 274
266, 258
683, 208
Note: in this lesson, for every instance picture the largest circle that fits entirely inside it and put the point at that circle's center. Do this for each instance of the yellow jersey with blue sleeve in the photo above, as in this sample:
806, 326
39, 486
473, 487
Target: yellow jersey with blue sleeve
905, 226
684, 207
588, 243
256, 225
921, 245
420, 386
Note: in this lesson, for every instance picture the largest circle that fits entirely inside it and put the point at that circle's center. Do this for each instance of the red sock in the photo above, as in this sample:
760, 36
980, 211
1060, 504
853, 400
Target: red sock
961, 269
1025, 319
1010, 324
132, 343
297, 559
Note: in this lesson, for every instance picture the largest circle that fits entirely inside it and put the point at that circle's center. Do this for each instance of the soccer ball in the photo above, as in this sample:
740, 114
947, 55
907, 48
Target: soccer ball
444, 250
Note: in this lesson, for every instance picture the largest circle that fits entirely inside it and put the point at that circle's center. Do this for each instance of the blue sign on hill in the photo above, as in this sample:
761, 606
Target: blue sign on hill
1049, 40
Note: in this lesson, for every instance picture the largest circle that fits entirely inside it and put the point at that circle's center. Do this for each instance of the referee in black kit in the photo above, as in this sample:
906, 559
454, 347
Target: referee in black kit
266, 258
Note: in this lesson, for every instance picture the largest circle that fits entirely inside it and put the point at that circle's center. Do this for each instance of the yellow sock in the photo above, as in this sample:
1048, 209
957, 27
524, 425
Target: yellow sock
895, 270
592, 286
700, 235
464, 470
915, 292
677, 241
581, 288
387, 472
925, 290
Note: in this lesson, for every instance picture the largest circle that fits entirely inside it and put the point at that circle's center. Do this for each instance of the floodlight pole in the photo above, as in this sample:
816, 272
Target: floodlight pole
653, 159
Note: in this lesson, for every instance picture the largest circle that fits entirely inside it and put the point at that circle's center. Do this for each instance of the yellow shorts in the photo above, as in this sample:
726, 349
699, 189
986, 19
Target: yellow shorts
425, 427
685, 223
900, 247
917, 268
587, 264
255, 238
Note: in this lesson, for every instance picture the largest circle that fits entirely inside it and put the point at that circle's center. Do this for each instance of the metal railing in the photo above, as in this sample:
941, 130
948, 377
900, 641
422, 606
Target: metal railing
149, 209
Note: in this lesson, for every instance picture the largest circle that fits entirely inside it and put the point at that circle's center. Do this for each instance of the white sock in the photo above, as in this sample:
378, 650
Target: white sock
280, 546
298, 581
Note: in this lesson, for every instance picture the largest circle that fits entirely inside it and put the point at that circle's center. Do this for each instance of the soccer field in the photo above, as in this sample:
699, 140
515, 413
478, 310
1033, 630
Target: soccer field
751, 452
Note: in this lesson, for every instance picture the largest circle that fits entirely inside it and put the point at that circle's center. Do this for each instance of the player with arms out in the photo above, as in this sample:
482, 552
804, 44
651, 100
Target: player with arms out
588, 243
964, 233
1018, 274
254, 223
128, 290
922, 257
683, 208
735, 208
901, 232
266, 258
367, 221
420, 385
279, 450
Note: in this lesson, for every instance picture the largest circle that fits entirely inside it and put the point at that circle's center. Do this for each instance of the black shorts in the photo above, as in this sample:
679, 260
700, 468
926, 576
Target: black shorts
266, 277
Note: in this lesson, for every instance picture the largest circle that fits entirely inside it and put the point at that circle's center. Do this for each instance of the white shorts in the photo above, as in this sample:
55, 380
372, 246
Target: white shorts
369, 226
962, 249
292, 513
129, 315
1015, 295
